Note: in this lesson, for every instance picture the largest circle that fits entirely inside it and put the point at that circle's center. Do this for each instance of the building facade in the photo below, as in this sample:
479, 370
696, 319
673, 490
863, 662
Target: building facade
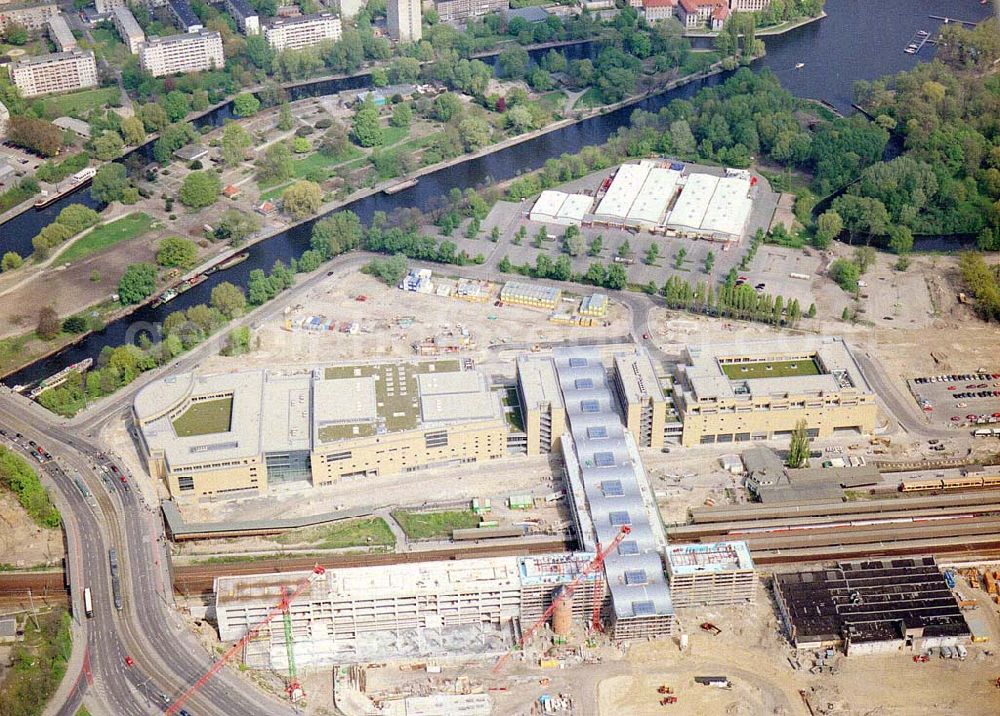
542, 409
760, 390
638, 389
294, 33
58, 72
128, 29
461, 11
184, 16
105, 7
187, 52
60, 33
715, 574
246, 17
711, 14
404, 20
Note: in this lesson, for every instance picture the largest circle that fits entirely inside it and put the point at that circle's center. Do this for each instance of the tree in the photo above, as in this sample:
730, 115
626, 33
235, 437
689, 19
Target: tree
336, 234
75, 324
153, 117
234, 144
48, 323
35, 134
811, 313
389, 270
335, 141
300, 145
177, 252
109, 183
616, 277
366, 128
235, 226
229, 300
446, 106
245, 105
574, 241
11, 261
238, 341
864, 257
828, 227
200, 189
652, 253
679, 257
513, 62
285, 119
402, 115
900, 239
682, 139
108, 146
133, 131
845, 315
302, 199
709, 261
845, 274
137, 283
172, 138
504, 266
276, 164
474, 133
798, 451
596, 246
177, 105
15, 33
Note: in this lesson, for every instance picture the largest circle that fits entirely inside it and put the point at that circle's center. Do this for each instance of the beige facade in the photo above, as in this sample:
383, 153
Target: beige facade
294, 33
717, 408
542, 407
404, 20
106, 6
58, 72
641, 398
128, 29
463, 10
32, 17
187, 52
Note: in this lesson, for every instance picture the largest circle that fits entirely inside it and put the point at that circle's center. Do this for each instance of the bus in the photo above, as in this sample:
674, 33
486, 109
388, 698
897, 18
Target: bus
88, 603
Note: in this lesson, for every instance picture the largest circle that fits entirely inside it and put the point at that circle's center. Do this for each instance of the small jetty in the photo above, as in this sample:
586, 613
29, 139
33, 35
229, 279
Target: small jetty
917, 42
396, 188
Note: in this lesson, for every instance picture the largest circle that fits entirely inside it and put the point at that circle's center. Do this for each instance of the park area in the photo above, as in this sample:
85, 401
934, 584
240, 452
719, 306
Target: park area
205, 418
101, 237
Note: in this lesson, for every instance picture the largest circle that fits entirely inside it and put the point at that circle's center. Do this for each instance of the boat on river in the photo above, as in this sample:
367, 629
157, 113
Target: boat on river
67, 187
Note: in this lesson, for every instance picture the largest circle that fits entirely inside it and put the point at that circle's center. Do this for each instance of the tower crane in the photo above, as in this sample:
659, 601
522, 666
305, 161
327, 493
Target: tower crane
279, 608
595, 564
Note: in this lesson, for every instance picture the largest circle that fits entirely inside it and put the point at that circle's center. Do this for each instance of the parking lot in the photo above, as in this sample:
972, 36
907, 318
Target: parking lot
961, 400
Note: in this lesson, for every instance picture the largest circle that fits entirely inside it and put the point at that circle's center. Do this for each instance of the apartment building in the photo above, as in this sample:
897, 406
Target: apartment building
710, 14
105, 7
187, 52
294, 33
58, 72
128, 29
641, 398
542, 409
33, 17
749, 5
246, 17
461, 11
184, 16
60, 33
758, 390
321, 426
404, 20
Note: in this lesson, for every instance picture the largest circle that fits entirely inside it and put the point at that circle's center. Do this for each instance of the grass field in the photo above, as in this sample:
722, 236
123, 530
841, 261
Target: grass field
368, 532
205, 418
590, 98
431, 525
778, 369
80, 102
38, 664
124, 229
551, 102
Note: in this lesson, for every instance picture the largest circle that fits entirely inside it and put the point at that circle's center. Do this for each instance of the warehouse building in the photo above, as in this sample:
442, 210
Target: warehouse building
713, 207
529, 294
714, 574
294, 33
759, 390
556, 207
439, 609
871, 607
128, 29
638, 196
607, 490
58, 72
187, 52
594, 305
247, 432
60, 34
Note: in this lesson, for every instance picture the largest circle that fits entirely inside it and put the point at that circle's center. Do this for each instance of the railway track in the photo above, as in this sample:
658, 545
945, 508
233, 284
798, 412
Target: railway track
198, 580
45, 588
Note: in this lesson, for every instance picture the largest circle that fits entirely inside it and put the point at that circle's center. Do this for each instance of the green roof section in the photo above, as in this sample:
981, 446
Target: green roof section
773, 369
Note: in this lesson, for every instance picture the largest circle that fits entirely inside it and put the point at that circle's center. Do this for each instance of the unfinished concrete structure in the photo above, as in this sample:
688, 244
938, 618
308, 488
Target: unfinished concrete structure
714, 574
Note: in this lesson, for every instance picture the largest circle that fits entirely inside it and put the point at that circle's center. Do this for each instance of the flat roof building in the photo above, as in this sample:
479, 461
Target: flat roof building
639, 195
594, 305
33, 17
403, 19
184, 16
460, 11
58, 72
208, 434
530, 294
60, 33
294, 33
246, 17
871, 607
711, 574
187, 52
76, 126
556, 207
758, 390
128, 29
541, 404
638, 389
713, 207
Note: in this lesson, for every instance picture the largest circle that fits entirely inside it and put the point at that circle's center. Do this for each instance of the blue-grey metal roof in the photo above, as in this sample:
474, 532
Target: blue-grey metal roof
184, 13
241, 8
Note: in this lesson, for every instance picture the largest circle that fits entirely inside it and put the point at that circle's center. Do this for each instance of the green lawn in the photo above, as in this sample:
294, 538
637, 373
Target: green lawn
551, 102
302, 167
777, 369
590, 98
430, 525
349, 533
392, 135
124, 229
80, 102
205, 418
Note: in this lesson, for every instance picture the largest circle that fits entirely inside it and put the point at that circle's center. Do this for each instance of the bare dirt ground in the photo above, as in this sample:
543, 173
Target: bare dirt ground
22, 542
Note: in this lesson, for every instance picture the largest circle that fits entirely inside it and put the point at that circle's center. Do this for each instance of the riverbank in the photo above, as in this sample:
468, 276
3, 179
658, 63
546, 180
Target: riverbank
772, 31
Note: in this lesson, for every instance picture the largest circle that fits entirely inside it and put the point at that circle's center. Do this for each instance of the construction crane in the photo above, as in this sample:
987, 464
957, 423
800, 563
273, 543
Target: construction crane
294, 688
280, 608
595, 564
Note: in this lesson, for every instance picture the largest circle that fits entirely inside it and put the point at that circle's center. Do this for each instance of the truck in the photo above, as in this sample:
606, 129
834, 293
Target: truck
88, 603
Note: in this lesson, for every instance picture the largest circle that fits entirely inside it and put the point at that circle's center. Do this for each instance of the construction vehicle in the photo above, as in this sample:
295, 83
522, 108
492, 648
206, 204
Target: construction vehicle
921, 658
279, 608
711, 628
664, 689
593, 565
668, 700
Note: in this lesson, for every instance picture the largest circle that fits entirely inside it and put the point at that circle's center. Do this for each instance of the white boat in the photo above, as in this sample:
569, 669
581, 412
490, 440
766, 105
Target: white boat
799, 65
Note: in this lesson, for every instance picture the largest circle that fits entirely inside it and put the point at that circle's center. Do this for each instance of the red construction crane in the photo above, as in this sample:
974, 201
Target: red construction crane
567, 592
279, 608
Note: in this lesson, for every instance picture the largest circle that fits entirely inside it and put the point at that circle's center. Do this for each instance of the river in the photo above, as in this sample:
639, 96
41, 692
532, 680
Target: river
858, 40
